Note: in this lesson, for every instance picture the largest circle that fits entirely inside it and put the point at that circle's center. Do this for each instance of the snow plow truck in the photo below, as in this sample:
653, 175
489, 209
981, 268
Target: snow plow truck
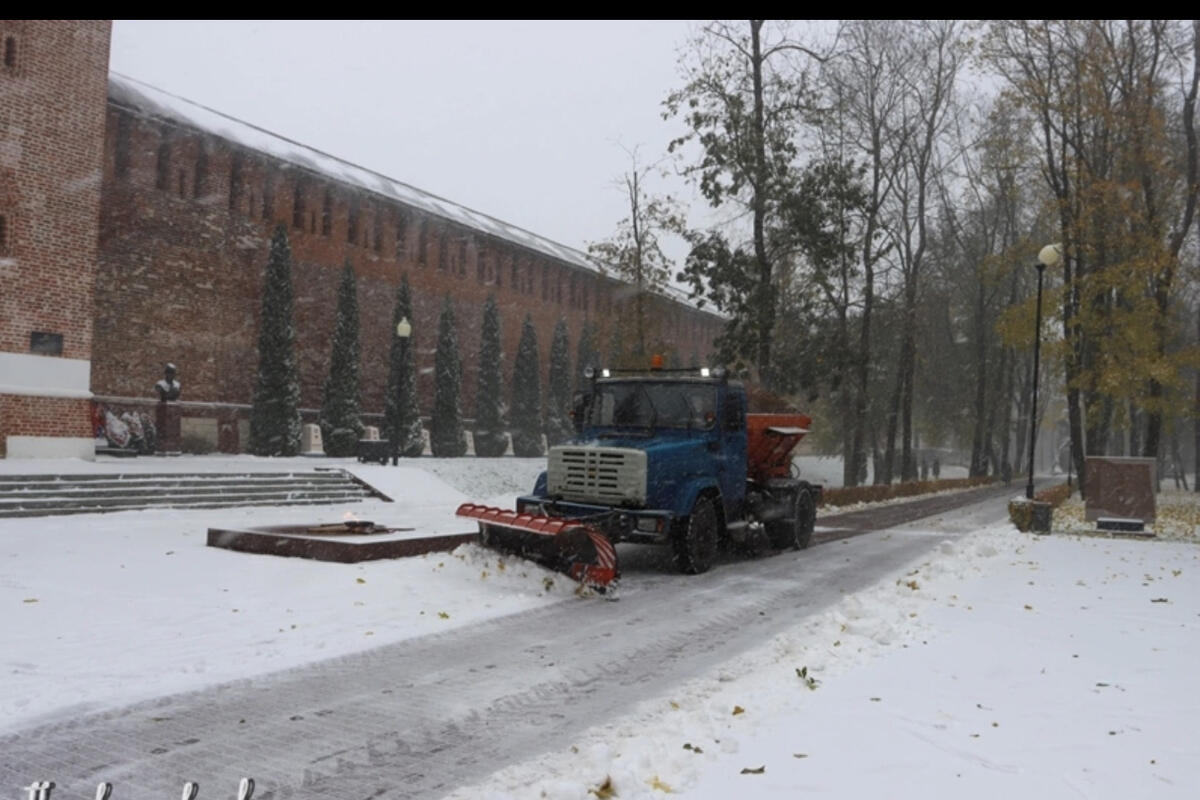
663, 457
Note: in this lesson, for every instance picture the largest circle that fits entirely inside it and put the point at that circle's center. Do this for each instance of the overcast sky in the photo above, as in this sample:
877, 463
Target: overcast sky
520, 120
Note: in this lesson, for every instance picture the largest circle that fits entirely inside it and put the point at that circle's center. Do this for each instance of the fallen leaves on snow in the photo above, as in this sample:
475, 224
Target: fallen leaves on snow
655, 783
604, 790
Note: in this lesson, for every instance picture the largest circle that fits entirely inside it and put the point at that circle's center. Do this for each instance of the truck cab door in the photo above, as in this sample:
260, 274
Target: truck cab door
733, 443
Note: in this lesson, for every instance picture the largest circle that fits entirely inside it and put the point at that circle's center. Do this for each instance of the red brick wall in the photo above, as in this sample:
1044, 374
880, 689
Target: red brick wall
52, 117
21, 415
181, 269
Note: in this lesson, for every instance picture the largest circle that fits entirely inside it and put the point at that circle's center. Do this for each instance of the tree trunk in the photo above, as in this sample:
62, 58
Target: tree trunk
845, 400
977, 438
766, 289
908, 462
893, 418
1023, 404
876, 458
1135, 431
1006, 370
858, 451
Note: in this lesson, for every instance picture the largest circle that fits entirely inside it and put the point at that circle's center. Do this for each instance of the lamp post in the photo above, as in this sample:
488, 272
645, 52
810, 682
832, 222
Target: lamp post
1048, 257
403, 331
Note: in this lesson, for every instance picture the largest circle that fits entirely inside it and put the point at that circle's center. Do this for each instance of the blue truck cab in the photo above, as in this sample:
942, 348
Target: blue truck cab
661, 458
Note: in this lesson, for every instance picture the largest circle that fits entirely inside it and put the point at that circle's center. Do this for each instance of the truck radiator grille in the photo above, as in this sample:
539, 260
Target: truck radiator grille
610, 475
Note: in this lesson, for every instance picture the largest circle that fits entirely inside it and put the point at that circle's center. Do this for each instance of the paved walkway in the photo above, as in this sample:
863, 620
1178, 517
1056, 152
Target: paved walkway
418, 718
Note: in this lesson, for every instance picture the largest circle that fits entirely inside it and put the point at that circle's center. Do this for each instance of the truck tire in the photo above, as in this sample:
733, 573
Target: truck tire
696, 538
797, 530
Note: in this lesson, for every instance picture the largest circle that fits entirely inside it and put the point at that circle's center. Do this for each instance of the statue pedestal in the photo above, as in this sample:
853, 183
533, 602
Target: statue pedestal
166, 419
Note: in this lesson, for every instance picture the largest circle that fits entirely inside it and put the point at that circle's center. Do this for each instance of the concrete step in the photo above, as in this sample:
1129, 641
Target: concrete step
71, 491
180, 496
44, 495
158, 479
25, 513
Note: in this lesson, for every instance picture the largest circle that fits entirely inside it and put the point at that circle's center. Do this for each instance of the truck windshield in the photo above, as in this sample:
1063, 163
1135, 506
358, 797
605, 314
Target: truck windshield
643, 404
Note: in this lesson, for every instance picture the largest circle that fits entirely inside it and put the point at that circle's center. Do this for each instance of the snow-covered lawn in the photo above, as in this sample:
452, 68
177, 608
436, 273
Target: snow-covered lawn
1006, 665
100, 610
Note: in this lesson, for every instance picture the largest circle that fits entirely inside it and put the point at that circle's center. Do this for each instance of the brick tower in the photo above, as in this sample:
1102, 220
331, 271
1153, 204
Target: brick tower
53, 95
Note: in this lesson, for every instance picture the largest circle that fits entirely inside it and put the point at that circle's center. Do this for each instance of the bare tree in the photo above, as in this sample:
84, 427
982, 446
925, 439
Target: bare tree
864, 80
635, 250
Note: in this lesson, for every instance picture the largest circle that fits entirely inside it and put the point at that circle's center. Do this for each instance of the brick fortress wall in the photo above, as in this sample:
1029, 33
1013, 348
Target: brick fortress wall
186, 221
53, 95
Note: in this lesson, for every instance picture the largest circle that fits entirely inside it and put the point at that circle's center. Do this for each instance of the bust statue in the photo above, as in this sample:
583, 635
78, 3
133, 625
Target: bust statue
168, 387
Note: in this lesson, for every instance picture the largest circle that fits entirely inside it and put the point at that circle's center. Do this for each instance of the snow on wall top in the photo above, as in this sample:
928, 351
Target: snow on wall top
132, 93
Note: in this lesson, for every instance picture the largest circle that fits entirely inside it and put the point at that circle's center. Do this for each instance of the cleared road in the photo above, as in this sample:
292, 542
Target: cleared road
421, 717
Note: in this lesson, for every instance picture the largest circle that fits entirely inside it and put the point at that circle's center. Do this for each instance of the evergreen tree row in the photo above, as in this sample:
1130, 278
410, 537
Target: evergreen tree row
275, 415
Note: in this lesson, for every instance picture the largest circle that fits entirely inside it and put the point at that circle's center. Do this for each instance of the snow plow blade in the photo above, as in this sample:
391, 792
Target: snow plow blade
561, 544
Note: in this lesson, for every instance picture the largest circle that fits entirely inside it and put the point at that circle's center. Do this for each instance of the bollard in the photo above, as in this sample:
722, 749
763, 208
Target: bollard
40, 790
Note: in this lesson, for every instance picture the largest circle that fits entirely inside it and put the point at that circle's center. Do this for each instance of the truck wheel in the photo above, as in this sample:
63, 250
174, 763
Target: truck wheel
797, 531
696, 538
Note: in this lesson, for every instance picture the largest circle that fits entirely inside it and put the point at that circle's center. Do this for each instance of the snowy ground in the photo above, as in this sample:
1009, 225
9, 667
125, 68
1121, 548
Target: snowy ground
108, 609
105, 609
1007, 665
1003, 665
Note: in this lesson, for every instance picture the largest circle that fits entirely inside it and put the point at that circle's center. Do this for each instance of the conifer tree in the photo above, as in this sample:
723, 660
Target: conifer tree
587, 354
489, 434
446, 435
275, 414
341, 427
558, 397
402, 415
526, 416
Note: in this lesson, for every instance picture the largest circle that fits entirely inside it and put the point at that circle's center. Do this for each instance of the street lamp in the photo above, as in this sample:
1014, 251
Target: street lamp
1049, 256
403, 331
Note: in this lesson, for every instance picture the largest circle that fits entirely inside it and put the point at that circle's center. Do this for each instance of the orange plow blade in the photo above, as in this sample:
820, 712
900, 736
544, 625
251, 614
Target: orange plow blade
565, 545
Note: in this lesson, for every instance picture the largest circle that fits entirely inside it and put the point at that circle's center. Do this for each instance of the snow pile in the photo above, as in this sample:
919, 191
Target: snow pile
482, 480
1005, 665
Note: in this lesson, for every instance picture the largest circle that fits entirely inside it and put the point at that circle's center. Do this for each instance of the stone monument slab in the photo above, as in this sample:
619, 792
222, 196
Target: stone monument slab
1119, 487
310, 440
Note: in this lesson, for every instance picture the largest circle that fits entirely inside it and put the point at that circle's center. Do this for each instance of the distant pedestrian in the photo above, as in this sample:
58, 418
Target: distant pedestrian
1006, 472
924, 470
937, 468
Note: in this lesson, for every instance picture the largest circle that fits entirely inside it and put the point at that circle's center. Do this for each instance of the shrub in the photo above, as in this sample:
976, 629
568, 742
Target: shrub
342, 442
1021, 510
